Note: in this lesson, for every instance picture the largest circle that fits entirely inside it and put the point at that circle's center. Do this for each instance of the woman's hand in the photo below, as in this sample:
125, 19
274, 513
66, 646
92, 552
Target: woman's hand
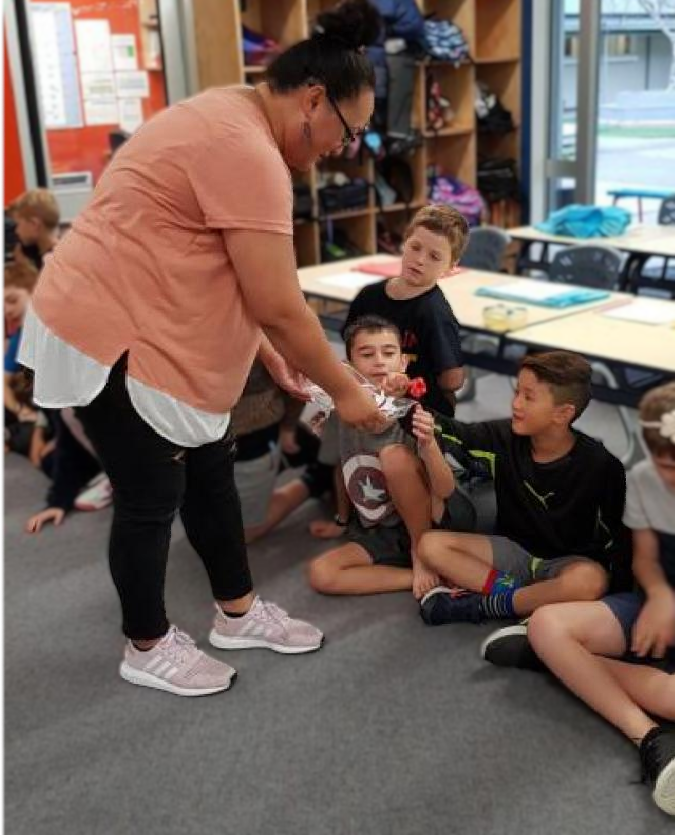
396, 384
358, 409
286, 377
51, 514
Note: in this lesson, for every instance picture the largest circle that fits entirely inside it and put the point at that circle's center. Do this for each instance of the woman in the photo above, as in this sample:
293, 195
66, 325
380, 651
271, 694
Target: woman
152, 309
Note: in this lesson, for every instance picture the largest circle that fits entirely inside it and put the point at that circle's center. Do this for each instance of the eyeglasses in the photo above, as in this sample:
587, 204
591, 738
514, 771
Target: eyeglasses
350, 134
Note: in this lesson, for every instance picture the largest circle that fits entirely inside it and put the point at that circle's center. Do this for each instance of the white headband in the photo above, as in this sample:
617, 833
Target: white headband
666, 425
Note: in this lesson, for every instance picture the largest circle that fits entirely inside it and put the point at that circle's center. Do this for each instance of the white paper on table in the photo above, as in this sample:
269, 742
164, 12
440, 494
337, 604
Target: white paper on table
94, 46
646, 311
350, 279
533, 290
124, 52
132, 84
98, 85
101, 111
131, 114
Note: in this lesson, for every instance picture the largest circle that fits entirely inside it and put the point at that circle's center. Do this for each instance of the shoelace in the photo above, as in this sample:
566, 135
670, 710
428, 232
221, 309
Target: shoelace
178, 645
272, 612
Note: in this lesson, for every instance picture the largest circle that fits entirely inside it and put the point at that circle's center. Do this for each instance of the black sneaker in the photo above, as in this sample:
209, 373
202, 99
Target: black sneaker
443, 605
510, 647
657, 752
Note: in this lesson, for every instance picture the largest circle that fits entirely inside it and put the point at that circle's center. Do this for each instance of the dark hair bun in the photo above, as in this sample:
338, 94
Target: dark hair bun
353, 24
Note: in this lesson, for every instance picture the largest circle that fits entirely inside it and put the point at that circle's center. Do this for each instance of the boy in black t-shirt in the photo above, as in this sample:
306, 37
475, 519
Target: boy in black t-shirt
560, 499
435, 240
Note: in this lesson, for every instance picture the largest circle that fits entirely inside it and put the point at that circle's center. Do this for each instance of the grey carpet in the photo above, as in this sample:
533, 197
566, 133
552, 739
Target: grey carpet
391, 728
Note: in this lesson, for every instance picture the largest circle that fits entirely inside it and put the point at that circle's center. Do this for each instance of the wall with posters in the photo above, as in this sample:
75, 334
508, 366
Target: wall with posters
99, 68
14, 179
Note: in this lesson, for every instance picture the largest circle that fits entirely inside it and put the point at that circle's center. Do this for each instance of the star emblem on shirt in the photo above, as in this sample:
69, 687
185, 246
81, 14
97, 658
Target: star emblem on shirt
370, 492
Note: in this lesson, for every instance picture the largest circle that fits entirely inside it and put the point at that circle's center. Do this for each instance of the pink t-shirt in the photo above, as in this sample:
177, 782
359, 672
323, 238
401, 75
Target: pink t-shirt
144, 267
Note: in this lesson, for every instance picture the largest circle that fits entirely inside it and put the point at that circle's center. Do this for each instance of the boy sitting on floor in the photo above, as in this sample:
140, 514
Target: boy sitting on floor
392, 481
560, 498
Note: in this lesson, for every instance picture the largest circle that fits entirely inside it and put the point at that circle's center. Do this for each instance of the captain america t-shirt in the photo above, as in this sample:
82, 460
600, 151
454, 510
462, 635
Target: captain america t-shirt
363, 476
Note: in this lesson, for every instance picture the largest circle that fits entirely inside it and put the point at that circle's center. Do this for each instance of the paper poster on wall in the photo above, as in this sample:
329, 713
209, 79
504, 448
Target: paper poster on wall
131, 114
54, 49
97, 85
94, 45
125, 53
132, 84
101, 111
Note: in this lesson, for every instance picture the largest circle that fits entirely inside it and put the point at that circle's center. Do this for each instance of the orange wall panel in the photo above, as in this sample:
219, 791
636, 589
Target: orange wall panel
14, 179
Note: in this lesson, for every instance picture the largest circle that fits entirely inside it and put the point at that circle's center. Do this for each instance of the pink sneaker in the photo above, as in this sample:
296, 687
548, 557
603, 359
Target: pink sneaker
264, 625
96, 496
176, 665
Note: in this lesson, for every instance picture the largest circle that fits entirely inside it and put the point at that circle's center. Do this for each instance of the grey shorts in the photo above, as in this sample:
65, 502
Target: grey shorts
511, 558
626, 608
384, 545
255, 482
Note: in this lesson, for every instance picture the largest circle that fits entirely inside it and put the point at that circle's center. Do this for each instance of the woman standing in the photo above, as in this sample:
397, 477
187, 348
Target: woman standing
152, 309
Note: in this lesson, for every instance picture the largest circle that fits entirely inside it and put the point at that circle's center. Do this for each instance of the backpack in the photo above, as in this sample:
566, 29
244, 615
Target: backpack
463, 197
498, 179
446, 42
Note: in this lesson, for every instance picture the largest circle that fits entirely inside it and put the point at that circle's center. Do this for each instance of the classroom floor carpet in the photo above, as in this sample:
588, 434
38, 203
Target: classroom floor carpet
393, 728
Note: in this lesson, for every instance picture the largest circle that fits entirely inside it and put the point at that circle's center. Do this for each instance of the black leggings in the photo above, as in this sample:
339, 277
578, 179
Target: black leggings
151, 479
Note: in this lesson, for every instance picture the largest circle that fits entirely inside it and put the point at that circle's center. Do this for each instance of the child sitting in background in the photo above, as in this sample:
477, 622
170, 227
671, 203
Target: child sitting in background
395, 483
36, 217
20, 413
560, 497
434, 242
637, 629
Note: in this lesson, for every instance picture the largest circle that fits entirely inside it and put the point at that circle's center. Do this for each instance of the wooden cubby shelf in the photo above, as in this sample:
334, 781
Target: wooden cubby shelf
492, 29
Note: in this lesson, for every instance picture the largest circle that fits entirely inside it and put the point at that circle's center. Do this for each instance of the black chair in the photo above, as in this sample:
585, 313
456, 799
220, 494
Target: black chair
656, 277
588, 266
486, 248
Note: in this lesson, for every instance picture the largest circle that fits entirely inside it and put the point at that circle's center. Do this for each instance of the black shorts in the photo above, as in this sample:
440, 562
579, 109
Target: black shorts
384, 545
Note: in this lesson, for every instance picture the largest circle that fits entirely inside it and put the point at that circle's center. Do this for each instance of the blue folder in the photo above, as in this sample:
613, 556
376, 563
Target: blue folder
576, 295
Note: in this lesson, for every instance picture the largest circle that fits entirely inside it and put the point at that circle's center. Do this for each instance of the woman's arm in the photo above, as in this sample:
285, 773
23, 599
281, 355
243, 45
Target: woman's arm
265, 266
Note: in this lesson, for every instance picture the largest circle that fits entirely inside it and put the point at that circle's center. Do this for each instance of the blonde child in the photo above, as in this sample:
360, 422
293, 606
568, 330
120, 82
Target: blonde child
36, 215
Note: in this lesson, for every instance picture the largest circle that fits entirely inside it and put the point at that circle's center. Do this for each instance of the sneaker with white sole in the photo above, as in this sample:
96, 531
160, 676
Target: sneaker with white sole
97, 495
176, 665
657, 752
265, 626
510, 647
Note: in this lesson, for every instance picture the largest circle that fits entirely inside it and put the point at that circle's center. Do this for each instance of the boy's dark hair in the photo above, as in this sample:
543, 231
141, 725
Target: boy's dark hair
653, 406
333, 55
445, 221
568, 376
369, 324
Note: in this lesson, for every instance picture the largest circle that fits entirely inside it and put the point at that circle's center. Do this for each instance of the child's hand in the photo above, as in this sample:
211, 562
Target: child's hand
423, 427
423, 580
51, 514
654, 630
396, 384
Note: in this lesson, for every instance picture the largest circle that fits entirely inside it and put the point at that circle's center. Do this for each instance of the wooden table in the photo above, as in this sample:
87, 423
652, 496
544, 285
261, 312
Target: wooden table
459, 289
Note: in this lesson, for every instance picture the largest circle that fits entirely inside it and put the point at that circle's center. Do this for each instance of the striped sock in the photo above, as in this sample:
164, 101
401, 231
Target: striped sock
499, 605
498, 581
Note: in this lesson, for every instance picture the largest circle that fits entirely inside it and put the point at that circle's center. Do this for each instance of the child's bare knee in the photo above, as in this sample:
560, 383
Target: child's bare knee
431, 545
584, 581
545, 626
321, 575
396, 458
